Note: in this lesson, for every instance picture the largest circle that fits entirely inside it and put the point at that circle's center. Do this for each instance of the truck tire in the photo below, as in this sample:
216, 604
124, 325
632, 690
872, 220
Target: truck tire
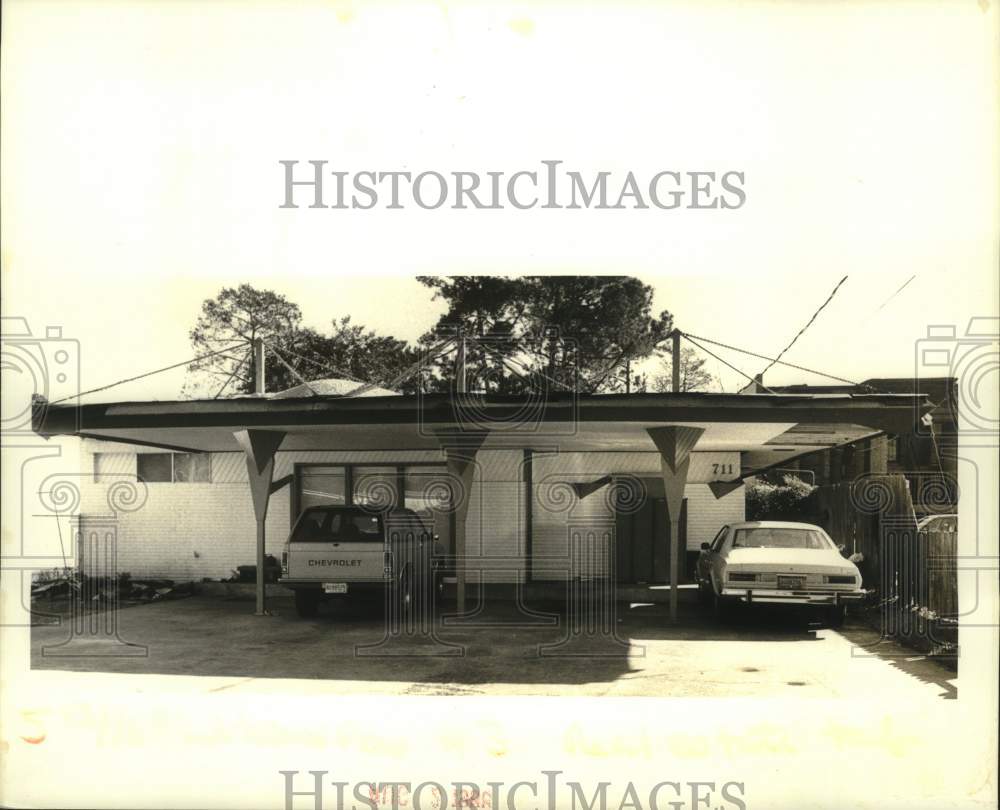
306, 604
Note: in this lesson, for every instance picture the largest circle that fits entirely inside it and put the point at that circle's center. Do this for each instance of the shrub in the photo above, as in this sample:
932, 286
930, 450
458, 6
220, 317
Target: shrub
792, 499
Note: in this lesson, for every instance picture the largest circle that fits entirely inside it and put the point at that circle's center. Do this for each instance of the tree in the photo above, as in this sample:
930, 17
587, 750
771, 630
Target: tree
237, 316
579, 332
694, 375
295, 353
353, 351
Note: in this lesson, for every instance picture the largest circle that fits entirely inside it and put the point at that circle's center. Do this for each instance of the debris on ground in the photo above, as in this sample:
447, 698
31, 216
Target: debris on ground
69, 584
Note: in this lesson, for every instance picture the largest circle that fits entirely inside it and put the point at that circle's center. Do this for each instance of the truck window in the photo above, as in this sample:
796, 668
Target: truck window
337, 526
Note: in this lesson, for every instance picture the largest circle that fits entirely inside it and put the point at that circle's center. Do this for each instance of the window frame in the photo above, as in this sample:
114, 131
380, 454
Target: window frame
173, 468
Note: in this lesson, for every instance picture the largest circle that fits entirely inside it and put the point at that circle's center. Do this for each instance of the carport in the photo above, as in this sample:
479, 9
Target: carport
765, 430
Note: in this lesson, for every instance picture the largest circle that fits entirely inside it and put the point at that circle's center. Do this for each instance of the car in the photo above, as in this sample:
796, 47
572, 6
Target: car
779, 563
355, 552
939, 523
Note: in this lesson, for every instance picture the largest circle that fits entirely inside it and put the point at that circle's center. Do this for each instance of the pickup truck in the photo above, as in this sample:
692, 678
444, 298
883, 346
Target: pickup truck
337, 552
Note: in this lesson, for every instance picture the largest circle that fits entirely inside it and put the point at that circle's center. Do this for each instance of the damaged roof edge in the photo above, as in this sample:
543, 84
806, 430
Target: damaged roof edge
69, 419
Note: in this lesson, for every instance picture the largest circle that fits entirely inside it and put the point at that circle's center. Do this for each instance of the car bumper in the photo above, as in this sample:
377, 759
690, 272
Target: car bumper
781, 597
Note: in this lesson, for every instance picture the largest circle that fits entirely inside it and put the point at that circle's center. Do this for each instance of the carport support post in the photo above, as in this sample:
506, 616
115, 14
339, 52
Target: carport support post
675, 444
460, 451
259, 447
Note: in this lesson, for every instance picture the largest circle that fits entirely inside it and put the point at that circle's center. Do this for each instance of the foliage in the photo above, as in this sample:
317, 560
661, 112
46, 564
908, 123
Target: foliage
694, 375
580, 332
242, 314
792, 499
237, 316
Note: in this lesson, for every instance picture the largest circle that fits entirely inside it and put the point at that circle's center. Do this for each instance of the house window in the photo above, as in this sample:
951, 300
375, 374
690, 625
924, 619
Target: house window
322, 486
192, 468
184, 468
376, 487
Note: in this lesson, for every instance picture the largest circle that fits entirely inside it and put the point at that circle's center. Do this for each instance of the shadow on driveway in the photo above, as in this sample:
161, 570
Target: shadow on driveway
501, 651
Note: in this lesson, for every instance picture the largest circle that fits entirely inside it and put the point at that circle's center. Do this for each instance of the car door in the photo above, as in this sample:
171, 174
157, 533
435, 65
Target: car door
718, 559
707, 556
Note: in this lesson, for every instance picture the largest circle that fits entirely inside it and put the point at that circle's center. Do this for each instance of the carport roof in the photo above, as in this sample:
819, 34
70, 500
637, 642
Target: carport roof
766, 429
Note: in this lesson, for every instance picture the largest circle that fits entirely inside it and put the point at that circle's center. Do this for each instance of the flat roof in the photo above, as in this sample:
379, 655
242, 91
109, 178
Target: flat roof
765, 428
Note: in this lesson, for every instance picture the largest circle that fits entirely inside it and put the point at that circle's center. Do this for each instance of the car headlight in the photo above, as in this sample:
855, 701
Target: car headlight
844, 579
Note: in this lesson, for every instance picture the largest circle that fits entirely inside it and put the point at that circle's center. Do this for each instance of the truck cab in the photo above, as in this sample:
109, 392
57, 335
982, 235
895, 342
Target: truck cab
340, 552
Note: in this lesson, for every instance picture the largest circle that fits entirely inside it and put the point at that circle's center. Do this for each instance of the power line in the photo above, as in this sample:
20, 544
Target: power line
324, 368
738, 371
294, 372
149, 373
234, 372
772, 359
432, 354
887, 300
808, 324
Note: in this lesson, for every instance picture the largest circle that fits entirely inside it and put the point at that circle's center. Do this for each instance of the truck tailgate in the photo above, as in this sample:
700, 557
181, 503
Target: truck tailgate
337, 562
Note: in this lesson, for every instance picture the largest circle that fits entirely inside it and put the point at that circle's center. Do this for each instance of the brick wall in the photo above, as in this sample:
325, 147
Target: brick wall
555, 506
189, 531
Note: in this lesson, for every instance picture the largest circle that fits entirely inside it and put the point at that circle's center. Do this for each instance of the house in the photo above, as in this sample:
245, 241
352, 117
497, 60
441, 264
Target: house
540, 487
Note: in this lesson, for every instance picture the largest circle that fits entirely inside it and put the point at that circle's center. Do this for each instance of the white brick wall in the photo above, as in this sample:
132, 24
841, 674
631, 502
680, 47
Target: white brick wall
555, 506
496, 519
197, 530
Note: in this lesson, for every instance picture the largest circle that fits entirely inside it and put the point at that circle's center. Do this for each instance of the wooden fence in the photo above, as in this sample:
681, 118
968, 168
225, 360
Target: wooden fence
913, 573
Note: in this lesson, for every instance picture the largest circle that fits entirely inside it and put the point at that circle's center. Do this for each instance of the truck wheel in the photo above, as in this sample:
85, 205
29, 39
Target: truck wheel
307, 604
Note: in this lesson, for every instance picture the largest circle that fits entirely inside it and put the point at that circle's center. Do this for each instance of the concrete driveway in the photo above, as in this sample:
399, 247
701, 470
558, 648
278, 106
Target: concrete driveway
500, 652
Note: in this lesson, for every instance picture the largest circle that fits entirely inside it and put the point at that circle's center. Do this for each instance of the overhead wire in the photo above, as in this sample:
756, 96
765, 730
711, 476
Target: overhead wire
808, 324
150, 373
737, 370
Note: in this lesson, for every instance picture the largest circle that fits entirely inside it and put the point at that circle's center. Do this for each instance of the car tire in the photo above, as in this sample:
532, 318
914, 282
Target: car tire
722, 608
705, 592
835, 616
307, 604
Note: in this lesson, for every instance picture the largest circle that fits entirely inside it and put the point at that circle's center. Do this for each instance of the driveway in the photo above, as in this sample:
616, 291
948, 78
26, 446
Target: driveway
503, 651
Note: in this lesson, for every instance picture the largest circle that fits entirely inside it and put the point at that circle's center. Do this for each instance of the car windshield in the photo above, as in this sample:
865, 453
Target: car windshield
772, 537
337, 526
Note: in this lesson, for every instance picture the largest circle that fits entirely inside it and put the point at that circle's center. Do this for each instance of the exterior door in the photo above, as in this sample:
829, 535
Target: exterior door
642, 543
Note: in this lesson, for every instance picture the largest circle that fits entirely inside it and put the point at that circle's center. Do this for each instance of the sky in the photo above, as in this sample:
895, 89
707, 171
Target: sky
141, 144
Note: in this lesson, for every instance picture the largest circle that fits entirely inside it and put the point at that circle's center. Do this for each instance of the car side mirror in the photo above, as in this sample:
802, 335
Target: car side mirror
705, 546
841, 548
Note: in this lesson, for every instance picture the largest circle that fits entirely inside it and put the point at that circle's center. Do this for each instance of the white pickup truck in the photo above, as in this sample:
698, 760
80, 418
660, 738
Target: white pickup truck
336, 552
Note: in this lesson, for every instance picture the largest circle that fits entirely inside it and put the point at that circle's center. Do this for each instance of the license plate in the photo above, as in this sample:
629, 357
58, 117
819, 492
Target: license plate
790, 583
334, 587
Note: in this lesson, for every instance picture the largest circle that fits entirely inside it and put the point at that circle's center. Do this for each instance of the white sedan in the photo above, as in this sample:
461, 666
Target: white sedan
777, 562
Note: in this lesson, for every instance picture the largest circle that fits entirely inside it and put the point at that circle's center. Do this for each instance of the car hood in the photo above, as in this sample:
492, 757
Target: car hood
790, 557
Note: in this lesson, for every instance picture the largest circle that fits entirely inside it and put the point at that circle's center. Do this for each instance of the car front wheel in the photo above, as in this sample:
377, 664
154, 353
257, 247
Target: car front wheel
722, 608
